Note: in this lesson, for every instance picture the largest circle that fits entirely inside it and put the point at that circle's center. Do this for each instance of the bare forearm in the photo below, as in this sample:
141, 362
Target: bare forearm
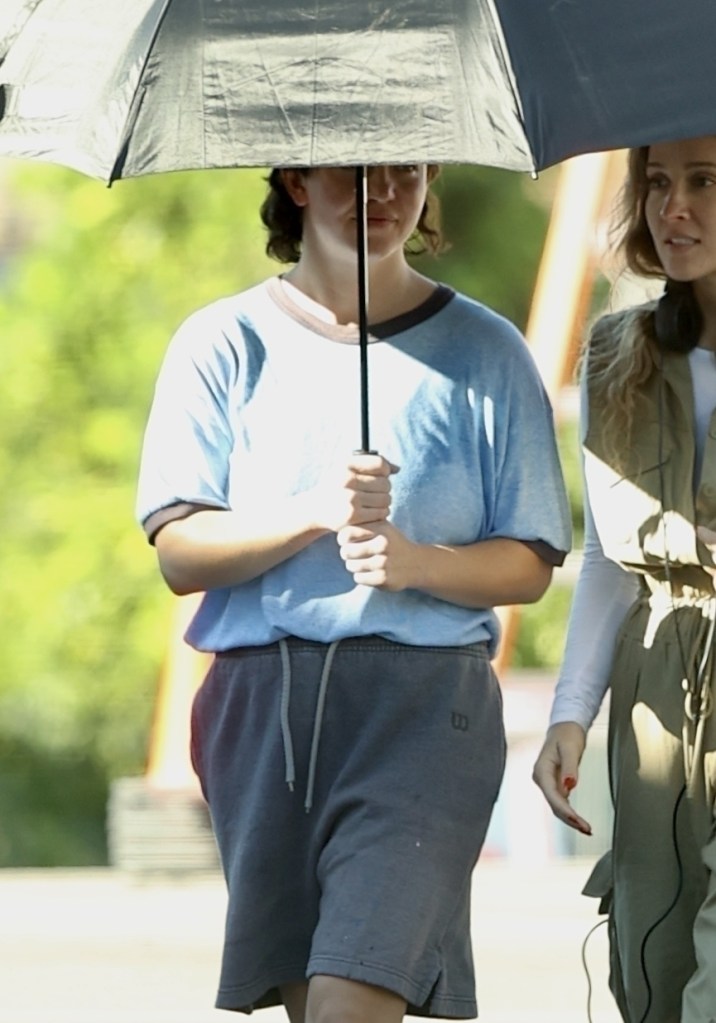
212, 549
490, 573
216, 548
483, 574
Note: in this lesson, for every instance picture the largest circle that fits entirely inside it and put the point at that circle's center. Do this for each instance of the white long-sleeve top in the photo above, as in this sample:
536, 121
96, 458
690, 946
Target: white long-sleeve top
605, 590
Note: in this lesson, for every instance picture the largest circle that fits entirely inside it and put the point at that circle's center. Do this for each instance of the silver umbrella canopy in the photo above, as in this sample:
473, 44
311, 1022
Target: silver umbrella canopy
144, 86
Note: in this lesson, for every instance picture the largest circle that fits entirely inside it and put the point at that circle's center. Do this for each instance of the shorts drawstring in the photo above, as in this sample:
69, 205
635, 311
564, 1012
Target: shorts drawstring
285, 724
317, 722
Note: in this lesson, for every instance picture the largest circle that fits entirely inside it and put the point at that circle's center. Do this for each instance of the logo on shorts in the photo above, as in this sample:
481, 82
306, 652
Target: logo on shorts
460, 722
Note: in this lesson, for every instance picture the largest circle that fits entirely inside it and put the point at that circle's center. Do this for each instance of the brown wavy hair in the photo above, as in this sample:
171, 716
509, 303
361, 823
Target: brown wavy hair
284, 221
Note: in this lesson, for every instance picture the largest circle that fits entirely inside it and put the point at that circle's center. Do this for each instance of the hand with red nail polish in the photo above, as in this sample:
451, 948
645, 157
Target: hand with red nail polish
556, 771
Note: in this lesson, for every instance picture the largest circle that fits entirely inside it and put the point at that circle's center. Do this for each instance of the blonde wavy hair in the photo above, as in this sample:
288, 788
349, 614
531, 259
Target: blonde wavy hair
622, 347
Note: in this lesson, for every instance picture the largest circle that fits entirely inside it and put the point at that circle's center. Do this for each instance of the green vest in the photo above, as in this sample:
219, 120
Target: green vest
645, 508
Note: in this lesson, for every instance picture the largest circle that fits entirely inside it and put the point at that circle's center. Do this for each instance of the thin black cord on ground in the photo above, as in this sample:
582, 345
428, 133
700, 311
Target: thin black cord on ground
588, 975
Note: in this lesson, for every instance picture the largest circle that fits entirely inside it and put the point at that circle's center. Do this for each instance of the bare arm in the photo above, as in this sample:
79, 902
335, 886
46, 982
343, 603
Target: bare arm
216, 548
212, 549
488, 573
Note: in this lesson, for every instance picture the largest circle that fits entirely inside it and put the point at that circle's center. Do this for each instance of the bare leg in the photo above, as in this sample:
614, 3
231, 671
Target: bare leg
294, 1000
334, 1000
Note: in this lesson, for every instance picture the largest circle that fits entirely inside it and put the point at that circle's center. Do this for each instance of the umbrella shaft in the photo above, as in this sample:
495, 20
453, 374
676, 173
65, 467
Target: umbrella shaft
362, 247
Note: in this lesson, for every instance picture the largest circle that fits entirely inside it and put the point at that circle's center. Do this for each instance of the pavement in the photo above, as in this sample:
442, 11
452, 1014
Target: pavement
103, 946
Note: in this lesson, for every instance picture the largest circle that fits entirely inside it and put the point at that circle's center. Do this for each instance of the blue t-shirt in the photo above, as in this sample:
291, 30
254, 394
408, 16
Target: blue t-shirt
256, 395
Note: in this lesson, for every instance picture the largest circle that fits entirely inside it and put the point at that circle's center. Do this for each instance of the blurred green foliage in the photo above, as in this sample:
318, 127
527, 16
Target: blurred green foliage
542, 625
495, 224
90, 292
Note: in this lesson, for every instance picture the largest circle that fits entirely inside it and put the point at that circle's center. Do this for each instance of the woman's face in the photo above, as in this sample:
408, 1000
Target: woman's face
680, 206
395, 199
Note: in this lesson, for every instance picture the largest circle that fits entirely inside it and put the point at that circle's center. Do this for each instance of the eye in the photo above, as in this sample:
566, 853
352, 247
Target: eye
656, 181
703, 180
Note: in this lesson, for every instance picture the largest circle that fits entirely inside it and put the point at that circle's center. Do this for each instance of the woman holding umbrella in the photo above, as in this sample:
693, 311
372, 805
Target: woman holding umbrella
349, 735
643, 616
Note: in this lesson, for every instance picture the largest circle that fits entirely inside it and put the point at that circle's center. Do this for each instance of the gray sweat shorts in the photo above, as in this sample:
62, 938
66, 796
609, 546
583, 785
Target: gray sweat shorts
350, 787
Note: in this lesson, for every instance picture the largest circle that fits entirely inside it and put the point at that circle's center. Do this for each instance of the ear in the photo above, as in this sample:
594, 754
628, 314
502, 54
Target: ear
294, 182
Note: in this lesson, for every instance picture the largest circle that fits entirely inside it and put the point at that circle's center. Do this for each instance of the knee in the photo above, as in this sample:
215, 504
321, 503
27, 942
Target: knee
333, 1009
335, 1000
332, 1000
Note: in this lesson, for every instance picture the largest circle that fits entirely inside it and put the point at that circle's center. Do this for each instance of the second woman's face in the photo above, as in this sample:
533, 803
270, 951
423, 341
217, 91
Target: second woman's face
680, 206
327, 195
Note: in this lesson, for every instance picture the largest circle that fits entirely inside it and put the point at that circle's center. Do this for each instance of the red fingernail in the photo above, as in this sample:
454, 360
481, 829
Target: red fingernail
579, 826
569, 782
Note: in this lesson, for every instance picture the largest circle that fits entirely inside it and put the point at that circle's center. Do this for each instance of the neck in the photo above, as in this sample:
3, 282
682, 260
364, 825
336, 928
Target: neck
393, 288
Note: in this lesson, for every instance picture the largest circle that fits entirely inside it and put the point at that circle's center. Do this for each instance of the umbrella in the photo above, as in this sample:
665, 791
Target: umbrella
143, 86
122, 89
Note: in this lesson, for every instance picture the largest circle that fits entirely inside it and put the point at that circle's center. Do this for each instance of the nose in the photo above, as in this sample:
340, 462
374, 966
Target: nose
381, 183
674, 205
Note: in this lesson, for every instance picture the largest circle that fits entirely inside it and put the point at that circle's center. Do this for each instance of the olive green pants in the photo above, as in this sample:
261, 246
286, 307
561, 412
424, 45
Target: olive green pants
658, 883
